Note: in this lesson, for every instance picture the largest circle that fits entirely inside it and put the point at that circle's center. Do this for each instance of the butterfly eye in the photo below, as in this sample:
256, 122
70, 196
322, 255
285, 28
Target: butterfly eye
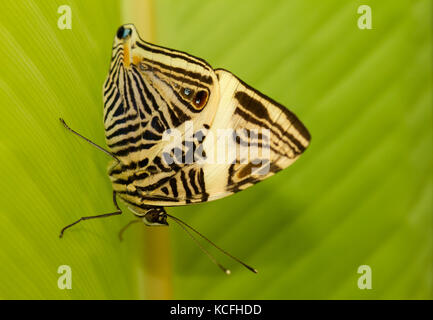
123, 33
200, 99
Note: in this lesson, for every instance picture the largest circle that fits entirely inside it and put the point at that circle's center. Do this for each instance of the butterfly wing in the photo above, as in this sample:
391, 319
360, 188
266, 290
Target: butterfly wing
245, 120
149, 91
227, 136
260, 122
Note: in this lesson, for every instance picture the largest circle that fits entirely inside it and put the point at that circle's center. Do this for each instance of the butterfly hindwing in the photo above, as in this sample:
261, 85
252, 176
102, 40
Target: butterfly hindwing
260, 123
246, 118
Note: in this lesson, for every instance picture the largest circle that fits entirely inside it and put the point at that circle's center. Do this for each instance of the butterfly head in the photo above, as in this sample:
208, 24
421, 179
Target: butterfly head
155, 217
124, 32
124, 40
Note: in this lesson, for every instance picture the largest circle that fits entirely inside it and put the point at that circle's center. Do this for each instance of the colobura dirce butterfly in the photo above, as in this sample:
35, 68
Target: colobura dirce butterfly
181, 132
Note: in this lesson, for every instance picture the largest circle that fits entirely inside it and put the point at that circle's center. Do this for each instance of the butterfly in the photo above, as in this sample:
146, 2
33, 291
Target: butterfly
180, 132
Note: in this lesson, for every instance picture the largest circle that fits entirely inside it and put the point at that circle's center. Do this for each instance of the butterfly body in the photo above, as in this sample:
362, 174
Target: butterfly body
168, 116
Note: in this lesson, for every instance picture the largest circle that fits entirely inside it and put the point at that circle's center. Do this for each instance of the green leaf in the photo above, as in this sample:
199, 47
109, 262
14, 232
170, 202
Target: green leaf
49, 177
360, 195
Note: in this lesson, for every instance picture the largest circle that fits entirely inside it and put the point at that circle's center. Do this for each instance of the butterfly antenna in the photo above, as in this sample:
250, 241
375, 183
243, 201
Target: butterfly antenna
226, 271
184, 224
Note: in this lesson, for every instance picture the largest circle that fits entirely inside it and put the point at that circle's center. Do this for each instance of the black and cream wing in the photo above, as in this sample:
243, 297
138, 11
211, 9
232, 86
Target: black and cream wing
228, 136
271, 136
250, 138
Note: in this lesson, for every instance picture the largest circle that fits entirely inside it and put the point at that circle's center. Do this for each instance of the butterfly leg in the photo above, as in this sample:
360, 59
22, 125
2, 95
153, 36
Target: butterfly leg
126, 227
87, 140
94, 217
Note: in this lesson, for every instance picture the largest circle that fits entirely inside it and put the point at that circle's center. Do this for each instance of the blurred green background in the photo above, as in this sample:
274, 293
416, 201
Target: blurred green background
361, 194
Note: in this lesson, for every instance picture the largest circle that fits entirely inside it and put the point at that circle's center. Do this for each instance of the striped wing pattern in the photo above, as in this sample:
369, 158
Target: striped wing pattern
151, 89
258, 120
